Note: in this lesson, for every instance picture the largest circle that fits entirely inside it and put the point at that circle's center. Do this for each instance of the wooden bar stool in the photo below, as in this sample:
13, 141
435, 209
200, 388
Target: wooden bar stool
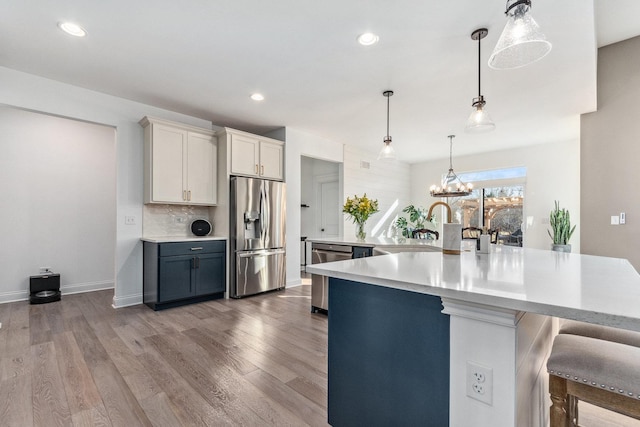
600, 372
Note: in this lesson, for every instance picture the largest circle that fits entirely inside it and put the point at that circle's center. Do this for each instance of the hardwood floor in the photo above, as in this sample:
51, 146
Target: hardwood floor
78, 362
258, 361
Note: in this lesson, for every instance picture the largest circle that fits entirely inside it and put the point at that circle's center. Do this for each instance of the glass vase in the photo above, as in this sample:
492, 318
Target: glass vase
360, 233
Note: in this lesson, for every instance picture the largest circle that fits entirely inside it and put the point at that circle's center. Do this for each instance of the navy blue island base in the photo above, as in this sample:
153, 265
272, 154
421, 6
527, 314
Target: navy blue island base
388, 357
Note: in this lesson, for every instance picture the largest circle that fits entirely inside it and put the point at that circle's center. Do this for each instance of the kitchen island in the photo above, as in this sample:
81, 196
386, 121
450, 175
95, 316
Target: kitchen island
494, 311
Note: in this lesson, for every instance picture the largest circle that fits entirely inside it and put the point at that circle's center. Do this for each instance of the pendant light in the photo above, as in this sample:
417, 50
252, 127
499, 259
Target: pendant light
479, 120
521, 42
451, 185
387, 151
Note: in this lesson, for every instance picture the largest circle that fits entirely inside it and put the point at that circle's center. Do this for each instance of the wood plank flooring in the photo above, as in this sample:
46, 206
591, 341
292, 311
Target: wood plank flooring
258, 361
78, 362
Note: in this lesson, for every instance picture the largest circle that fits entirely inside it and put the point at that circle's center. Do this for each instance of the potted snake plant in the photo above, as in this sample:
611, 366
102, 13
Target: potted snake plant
560, 222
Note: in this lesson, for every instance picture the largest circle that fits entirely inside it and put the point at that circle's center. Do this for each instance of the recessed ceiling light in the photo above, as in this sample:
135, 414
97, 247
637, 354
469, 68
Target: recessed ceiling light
367, 39
73, 29
257, 97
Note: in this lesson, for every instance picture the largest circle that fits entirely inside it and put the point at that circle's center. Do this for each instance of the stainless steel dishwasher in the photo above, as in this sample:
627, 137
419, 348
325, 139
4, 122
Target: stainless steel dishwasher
321, 253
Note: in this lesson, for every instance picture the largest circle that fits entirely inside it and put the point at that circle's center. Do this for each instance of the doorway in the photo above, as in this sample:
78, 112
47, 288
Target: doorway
321, 206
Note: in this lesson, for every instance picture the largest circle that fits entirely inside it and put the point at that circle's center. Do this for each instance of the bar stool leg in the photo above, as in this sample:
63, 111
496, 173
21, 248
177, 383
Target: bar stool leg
559, 413
572, 403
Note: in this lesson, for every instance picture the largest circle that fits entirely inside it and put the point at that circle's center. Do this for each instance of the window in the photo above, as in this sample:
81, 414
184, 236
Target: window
496, 204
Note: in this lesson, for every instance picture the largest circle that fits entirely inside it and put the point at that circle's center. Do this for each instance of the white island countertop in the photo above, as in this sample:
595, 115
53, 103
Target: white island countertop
581, 287
170, 239
381, 242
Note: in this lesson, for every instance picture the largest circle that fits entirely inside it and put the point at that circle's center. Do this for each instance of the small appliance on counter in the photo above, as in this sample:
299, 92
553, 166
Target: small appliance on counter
44, 288
201, 227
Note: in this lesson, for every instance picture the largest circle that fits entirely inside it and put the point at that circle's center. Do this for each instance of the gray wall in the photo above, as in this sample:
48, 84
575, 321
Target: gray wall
610, 156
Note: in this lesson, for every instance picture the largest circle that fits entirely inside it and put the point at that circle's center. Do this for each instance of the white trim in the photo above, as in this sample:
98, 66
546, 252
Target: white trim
76, 288
127, 301
294, 283
481, 312
14, 296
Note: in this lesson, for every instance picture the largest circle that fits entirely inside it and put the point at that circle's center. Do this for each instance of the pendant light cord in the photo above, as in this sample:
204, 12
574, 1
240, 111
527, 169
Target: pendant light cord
388, 96
451, 152
479, 60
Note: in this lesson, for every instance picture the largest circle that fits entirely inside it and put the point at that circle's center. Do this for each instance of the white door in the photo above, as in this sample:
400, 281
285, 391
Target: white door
329, 209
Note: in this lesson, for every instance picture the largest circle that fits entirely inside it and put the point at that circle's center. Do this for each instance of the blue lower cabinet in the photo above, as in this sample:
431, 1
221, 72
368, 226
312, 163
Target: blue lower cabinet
388, 357
183, 273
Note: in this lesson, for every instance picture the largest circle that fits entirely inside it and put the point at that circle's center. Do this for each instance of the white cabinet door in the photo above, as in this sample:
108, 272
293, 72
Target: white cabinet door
245, 155
201, 165
168, 177
271, 160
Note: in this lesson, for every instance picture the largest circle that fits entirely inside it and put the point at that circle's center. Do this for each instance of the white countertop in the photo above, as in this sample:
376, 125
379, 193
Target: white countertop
168, 239
382, 242
581, 287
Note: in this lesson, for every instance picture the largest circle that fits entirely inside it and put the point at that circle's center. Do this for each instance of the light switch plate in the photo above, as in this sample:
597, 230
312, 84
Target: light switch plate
615, 220
623, 218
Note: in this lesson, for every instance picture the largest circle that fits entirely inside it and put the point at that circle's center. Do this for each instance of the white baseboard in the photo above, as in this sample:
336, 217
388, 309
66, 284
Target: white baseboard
14, 296
79, 288
126, 301
65, 290
294, 283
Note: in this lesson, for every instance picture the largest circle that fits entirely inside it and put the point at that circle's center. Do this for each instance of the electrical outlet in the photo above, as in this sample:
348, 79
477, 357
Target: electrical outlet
480, 382
130, 220
615, 220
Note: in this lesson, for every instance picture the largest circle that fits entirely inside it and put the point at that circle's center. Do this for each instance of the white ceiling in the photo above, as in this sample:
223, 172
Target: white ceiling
204, 58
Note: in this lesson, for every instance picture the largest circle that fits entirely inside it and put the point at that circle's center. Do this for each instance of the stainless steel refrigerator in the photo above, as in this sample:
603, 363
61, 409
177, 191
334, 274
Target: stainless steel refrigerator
257, 236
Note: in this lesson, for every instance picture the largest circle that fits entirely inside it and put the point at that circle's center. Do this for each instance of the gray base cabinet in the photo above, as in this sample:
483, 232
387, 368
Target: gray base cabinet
181, 273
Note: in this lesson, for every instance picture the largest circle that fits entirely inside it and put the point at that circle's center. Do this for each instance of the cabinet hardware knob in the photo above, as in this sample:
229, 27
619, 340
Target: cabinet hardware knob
189, 195
262, 173
184, 194
196, 249
256, 168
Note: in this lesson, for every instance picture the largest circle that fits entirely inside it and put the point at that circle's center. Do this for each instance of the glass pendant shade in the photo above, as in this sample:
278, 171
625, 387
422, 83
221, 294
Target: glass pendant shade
387, 151
479, 121
521, 42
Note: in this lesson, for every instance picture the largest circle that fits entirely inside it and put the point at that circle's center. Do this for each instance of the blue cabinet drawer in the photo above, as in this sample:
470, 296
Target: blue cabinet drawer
191, 248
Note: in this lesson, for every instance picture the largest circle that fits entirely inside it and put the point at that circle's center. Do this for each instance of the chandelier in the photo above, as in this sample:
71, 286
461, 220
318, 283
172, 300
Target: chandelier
451, 185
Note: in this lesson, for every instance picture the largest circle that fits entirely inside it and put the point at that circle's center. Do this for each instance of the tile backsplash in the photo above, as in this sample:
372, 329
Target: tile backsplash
172, 220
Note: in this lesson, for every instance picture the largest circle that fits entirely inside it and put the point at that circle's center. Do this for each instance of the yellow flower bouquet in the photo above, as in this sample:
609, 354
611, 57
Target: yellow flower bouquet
360, 209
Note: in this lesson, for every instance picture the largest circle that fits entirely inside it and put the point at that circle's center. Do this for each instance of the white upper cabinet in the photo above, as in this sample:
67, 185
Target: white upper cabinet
257, 156
271, 160
245, 155
180, 163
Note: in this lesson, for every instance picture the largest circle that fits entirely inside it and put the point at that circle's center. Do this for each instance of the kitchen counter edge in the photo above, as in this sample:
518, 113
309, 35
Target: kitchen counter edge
171, 239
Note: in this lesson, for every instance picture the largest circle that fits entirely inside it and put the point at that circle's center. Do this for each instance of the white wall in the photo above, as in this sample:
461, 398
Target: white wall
388, 181
300, 144
553, 173
40, 94
58, 181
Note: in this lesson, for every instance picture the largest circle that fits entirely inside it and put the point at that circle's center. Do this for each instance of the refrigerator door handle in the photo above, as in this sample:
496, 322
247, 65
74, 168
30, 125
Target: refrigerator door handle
249, 254
264, 216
